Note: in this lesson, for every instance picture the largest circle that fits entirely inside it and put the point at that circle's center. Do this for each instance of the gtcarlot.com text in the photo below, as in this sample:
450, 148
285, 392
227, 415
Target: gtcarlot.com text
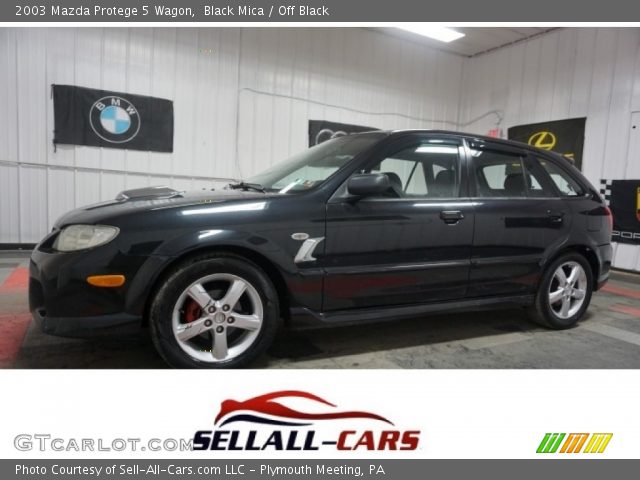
45, 442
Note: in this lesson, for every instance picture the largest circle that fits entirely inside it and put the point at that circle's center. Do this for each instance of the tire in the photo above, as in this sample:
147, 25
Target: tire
560, 306
214, 311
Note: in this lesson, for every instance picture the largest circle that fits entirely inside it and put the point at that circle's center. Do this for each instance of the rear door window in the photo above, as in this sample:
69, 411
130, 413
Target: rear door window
506, 174
498, 174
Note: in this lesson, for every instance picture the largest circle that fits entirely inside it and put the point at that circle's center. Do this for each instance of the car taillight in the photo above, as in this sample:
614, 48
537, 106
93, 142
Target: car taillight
609, 217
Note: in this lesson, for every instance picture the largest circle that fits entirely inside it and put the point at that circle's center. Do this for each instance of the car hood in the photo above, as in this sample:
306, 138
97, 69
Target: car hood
150, 199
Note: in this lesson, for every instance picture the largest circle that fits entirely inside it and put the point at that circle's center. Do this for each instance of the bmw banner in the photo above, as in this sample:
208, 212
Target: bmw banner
100, 118
321, 130
565, 137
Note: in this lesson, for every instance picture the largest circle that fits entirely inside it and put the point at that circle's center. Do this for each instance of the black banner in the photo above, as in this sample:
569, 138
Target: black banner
623, 198
565, 137
100, 118
321, 130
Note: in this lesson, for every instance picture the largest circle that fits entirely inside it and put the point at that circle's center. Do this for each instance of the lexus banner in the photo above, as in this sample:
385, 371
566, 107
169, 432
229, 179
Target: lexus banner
100, 118
565, 137
321, 130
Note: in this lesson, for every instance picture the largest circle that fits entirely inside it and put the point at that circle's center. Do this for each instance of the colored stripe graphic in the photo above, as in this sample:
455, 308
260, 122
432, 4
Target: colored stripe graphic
550, 442
575, 441
543, 443
598, 442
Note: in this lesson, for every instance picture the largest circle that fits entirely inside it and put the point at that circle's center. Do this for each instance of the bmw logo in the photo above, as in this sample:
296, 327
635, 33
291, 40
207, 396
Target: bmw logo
327, 134
114, 119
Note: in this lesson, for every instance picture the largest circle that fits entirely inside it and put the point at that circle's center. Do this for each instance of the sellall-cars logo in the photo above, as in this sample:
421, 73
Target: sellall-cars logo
265, 422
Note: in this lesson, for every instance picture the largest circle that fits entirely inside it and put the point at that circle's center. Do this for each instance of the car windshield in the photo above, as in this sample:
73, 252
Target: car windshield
311, 167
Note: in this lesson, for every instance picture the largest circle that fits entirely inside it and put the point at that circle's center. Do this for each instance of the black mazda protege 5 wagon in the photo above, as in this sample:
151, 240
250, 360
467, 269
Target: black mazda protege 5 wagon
372, 226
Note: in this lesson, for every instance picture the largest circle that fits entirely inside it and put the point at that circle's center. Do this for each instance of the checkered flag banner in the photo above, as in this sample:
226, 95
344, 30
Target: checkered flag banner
623, 198
605, 190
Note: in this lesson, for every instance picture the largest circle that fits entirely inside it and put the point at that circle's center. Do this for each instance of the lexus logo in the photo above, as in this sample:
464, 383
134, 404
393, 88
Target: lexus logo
543, 140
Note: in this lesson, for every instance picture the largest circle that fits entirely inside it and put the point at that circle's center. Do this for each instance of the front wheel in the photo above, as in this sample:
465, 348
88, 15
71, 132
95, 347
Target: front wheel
214, 312
564, 293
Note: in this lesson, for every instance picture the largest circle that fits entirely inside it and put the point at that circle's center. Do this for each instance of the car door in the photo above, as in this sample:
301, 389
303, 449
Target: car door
519, 217
409, 246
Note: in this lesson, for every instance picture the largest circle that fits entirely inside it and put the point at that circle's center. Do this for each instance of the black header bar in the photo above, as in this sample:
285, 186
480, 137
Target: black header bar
319, 11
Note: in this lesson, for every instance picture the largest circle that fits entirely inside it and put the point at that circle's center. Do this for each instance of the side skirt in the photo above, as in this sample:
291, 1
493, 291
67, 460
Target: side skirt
304, 318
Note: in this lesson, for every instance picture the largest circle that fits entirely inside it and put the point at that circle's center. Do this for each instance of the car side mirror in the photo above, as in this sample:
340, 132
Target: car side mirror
368, 184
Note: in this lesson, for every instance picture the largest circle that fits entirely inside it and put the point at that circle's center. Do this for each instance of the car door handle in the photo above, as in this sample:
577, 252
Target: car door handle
451, 217
555, 217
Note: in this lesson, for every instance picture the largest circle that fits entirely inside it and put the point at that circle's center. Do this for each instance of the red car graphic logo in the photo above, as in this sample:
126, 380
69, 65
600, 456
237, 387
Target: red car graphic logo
263, 408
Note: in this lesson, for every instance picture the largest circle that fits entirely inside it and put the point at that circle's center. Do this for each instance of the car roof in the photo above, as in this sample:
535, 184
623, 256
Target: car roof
484, 138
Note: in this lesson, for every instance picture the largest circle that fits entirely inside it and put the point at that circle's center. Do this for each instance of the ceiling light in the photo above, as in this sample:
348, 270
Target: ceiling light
443, 34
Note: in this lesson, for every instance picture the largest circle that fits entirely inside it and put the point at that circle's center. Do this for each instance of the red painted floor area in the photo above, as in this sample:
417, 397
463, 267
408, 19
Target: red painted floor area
13, 326
12, 331
17, 280
627, 310
623, 292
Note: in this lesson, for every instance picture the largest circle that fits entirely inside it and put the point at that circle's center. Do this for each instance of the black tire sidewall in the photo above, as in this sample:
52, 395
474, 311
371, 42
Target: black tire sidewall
166, 297
542, 300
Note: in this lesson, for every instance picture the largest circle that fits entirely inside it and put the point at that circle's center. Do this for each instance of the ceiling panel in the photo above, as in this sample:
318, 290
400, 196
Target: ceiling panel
476, 40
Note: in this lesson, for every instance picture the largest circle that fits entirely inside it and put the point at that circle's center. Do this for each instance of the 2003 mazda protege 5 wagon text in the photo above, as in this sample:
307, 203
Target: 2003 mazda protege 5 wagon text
379, 225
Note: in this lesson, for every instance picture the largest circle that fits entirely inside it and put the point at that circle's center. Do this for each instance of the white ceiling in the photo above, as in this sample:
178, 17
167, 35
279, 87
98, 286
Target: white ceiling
476, 40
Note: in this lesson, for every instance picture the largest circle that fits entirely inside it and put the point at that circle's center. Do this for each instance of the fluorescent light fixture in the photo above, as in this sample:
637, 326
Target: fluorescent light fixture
442, 34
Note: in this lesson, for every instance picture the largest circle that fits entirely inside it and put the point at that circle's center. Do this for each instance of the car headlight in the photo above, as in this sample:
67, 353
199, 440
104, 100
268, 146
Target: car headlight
81, 237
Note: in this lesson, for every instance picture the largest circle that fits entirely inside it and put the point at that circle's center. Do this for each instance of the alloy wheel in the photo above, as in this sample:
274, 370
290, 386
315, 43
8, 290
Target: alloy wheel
217, 318
567, 290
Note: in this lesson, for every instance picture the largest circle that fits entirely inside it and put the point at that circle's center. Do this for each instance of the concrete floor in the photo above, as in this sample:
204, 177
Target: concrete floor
609, 337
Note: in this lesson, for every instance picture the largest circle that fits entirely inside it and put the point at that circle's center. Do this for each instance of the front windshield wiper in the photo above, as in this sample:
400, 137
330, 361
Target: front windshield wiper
247, 186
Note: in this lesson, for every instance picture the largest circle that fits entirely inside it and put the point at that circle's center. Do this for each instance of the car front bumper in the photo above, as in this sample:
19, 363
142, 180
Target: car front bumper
63, 303
86, 326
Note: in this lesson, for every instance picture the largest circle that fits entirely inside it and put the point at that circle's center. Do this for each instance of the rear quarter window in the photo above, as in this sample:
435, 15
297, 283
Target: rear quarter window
567, 186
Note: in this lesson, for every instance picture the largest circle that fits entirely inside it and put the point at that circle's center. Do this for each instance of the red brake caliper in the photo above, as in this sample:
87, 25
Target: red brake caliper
192, 311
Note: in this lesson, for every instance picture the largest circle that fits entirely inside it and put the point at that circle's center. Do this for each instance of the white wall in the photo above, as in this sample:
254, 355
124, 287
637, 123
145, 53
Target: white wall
243, 98
578, 72
213, 76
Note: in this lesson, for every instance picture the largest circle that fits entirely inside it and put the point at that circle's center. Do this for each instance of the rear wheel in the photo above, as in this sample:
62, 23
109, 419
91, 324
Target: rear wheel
214, 312
564, 293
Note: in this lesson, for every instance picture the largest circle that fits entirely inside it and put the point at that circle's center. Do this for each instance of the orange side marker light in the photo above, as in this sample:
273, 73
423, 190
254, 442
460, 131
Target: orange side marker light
106, 281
